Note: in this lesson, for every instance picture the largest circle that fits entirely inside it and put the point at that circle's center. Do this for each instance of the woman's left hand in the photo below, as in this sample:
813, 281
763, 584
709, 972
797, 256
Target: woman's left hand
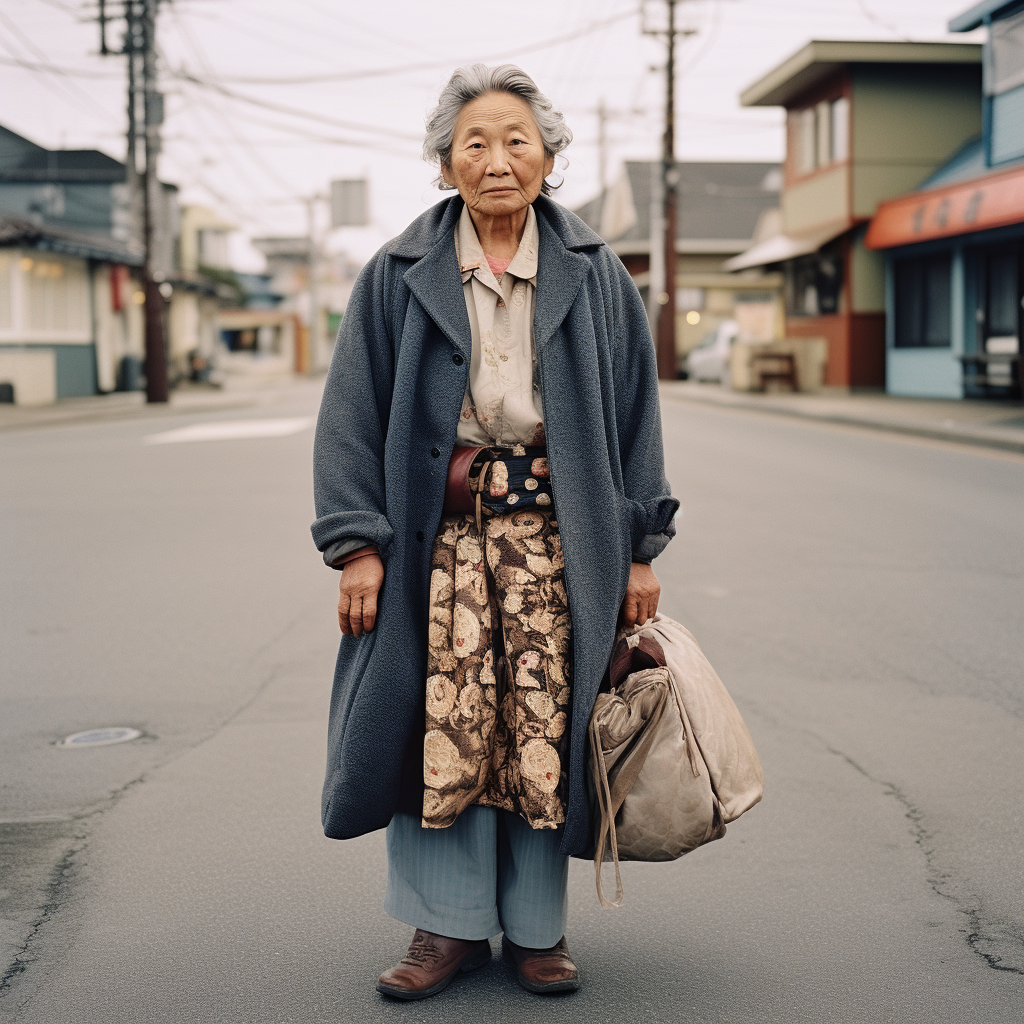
642, 593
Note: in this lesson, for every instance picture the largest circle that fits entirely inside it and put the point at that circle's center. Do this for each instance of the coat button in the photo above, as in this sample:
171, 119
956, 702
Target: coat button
457, 359
436, 452
419, 535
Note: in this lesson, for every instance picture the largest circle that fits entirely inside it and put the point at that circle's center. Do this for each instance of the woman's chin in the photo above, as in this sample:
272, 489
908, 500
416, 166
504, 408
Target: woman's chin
501, 205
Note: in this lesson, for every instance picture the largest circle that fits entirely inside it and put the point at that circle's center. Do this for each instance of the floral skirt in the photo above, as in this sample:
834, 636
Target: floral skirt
499, 670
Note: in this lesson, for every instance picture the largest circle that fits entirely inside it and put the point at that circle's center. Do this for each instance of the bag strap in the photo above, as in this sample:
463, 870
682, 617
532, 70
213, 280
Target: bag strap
612, 795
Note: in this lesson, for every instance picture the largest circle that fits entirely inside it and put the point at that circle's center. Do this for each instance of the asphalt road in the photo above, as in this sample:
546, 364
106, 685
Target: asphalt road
860, 595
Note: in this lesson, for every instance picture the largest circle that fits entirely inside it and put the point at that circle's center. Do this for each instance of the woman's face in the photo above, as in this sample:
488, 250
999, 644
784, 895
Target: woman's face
498, 159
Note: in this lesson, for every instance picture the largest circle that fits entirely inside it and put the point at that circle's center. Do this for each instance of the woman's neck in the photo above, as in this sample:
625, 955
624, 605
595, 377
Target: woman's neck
500, 236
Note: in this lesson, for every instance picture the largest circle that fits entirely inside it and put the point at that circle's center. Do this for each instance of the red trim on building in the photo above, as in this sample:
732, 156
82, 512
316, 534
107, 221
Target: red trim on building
995, 201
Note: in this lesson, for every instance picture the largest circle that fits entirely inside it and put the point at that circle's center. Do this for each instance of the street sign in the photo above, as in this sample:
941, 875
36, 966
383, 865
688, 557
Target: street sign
350, 203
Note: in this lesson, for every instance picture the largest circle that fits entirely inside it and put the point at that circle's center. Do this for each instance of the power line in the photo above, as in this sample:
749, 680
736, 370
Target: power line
281, 108
54, 69
200, 54
70, 88
401, 69
333, 140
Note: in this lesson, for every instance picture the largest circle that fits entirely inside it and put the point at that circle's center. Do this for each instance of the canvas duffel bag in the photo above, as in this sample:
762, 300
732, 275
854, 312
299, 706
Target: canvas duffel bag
671, 759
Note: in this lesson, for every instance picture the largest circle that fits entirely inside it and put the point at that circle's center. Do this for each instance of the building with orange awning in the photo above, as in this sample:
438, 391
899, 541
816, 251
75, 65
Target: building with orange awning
865, 121
955, 246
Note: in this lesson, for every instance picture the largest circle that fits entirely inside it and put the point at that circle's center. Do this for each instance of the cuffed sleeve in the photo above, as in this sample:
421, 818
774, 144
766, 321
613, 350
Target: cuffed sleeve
337, 555
652, 544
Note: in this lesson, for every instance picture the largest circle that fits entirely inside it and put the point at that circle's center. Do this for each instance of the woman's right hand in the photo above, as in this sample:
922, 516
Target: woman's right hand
360, 583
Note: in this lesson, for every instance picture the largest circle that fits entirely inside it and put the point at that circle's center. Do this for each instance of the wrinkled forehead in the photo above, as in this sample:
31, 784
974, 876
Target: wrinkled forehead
493, 113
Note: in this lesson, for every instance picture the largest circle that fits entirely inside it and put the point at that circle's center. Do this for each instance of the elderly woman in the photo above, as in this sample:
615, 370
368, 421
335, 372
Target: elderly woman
489, 476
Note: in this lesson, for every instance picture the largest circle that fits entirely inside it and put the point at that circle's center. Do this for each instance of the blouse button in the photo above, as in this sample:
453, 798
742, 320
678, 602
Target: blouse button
436, 452
457, 359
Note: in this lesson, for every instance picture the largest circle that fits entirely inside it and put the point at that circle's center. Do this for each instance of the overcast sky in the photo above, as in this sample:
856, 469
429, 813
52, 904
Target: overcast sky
292, 95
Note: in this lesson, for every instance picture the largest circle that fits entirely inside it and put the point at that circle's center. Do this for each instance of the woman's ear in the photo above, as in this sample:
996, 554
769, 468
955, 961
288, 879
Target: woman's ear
549, 165
446, 176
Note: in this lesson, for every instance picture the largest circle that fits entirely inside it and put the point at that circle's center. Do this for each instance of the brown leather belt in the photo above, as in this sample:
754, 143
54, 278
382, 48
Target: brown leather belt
500, 480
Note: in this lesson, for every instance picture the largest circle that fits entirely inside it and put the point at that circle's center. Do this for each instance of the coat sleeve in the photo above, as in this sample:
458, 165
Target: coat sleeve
348, 451
638, 421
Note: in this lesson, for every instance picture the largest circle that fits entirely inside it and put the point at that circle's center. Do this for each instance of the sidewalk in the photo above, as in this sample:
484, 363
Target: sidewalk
241, 393
990, 424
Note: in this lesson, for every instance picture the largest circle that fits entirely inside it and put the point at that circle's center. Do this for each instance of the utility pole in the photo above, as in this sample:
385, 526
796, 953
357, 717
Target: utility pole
602, 145
665, 339
140, 49
152, 201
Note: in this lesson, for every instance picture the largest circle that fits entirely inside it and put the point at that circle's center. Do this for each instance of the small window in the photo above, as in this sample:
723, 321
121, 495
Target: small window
806, 143
823, 128
820, 135
55, 293
840, 124
814, 284
923, 302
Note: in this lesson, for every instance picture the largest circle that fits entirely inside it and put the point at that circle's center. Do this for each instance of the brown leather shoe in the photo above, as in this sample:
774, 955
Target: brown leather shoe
544, 970
431, 964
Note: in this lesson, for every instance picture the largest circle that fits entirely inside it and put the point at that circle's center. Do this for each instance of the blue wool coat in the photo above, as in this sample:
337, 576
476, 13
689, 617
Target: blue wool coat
386, 430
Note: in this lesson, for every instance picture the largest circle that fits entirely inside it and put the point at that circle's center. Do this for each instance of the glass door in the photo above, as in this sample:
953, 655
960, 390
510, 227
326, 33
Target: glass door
1001, 320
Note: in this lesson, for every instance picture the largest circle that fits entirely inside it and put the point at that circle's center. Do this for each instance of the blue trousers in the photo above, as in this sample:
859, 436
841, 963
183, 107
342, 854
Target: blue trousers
487, 873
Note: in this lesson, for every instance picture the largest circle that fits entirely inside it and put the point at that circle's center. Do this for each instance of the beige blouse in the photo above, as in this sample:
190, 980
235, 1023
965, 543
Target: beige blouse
502, 403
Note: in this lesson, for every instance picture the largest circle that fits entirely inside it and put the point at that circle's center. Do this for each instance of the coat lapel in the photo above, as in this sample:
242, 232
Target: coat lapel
437, 284
560, 273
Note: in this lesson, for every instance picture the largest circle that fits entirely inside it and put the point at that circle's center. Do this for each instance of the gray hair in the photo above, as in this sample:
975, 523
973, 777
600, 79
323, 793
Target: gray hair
465, 85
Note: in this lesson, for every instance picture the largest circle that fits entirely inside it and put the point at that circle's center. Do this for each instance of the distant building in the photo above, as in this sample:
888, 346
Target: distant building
865, 121
201, 283
70, 299
720, 209
955, 246
289, 278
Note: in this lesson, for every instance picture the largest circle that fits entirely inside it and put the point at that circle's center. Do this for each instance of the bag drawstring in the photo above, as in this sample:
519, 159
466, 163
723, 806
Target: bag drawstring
611, 796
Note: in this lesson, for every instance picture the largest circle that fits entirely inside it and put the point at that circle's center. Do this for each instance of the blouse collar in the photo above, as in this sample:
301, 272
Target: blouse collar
471, 253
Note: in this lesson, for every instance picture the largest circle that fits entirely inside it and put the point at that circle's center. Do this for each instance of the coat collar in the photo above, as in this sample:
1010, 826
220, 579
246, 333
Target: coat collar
436, 282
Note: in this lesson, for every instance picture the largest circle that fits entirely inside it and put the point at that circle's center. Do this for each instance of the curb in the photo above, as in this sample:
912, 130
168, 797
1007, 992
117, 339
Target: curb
878, 426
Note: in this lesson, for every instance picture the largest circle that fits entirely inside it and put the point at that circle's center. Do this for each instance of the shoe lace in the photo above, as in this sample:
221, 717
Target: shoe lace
422, 952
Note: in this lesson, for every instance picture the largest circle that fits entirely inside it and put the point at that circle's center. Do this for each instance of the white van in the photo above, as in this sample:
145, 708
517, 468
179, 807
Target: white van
710, 359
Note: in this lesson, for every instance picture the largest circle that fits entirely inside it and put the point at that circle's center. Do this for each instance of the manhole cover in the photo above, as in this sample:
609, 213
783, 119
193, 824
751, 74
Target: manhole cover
100, 737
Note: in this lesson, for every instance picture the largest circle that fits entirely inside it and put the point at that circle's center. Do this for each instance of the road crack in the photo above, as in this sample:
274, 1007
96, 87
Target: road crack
999, 944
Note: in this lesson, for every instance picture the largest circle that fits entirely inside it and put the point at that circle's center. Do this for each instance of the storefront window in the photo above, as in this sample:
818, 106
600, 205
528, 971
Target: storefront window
813, 285
923, 302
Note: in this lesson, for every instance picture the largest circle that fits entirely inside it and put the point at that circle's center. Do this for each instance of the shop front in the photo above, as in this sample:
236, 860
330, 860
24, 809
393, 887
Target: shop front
954, 287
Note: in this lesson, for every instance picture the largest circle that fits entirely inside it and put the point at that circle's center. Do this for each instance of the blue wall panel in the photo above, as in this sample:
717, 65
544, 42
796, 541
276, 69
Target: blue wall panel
76, 370
1007, 141
923, 373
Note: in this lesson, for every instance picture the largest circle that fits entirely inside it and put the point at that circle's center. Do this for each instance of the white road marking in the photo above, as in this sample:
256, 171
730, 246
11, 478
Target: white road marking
230, 430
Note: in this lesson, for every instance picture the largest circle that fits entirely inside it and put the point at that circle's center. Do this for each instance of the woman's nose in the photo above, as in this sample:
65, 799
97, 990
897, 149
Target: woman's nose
498, 161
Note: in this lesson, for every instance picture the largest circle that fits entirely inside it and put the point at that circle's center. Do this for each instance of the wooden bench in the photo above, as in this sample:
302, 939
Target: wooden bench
987, 371
774, 370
